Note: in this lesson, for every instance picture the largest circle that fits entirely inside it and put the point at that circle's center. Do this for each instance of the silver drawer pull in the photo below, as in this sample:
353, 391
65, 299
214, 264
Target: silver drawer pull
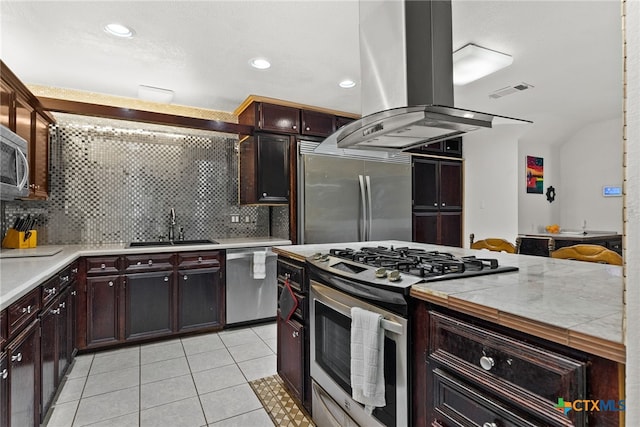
26, 309
17, 358
487, 363
150, 262
4, 374
56, 311
199, 259
103, 266
75, 270
64, 278
50, 291
295, 334
74, 293
110, 283
63, 304
489, 425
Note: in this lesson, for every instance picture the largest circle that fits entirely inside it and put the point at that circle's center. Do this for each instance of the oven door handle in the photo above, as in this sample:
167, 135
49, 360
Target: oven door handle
387, 325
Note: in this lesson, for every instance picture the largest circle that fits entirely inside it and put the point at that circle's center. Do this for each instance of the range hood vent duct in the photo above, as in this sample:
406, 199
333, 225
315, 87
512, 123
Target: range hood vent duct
406, 64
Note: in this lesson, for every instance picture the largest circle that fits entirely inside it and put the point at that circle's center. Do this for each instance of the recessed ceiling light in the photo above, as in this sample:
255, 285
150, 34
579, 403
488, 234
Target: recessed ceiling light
260, 63
119, 30
347, 84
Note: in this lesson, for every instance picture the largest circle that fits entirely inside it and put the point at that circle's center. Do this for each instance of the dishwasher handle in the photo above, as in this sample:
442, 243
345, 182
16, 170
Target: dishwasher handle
247, 255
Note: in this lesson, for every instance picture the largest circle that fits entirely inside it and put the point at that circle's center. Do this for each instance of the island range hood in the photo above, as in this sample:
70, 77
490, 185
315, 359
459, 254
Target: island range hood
406, 63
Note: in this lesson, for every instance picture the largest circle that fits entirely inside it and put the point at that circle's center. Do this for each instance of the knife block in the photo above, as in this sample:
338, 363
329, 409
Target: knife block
16, 239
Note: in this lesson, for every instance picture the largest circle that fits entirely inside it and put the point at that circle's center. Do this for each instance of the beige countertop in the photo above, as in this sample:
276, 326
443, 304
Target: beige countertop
18, 275
578, 304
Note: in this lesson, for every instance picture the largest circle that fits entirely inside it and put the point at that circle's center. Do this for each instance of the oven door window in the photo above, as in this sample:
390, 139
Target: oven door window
333, 354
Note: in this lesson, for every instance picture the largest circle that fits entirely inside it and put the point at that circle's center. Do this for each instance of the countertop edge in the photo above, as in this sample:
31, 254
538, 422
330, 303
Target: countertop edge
70, 253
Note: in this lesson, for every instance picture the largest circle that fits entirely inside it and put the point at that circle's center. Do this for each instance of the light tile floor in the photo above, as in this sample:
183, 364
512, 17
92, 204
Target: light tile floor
193, 381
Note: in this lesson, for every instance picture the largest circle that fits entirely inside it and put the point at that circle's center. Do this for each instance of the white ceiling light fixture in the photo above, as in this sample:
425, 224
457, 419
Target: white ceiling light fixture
155, 94
260, 63
472, 62
347, 84
119, 30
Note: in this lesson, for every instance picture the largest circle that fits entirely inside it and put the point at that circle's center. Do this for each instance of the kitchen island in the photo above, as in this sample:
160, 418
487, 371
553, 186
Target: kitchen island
506, 346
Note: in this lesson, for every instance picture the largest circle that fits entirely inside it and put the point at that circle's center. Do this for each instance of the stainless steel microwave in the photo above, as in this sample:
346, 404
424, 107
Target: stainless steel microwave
14, 167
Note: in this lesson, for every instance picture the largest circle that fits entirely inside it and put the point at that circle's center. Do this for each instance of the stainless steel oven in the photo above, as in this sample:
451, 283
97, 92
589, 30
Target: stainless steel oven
330, 362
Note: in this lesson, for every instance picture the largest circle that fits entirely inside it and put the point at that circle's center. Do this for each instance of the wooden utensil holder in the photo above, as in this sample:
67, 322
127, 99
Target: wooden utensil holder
16, 239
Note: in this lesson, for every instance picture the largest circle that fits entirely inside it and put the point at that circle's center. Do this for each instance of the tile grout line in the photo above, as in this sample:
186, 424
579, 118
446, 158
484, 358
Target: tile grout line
195, 386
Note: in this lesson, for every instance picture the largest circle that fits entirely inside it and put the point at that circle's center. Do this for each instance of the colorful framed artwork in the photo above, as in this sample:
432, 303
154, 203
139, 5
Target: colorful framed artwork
535, 174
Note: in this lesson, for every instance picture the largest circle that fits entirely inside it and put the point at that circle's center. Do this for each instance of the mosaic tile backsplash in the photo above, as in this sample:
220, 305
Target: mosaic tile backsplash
113, 181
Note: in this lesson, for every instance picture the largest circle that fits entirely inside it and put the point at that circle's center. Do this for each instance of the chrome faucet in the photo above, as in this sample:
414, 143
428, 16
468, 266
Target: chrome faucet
172, 224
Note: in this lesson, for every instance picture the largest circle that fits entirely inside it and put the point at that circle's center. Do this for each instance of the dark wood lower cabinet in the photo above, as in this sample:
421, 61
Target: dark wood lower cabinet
201, 298
102, 310
48, 354
4, 390
148, 304
441, 228
291, 355
23, 359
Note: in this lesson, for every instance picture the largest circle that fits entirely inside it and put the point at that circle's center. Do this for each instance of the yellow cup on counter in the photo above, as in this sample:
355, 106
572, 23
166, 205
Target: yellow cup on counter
20, 239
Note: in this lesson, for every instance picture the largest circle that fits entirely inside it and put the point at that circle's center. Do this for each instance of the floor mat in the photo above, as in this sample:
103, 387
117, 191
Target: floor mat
282, 408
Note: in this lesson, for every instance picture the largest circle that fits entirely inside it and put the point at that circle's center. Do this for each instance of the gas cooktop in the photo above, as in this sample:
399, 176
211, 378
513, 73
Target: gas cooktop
392, 264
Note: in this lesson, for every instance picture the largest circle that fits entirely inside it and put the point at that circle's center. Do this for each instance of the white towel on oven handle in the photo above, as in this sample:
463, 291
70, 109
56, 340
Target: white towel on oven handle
367, 358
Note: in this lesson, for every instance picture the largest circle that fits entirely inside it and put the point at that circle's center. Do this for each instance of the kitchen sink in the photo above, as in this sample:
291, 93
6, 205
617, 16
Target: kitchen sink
174, 243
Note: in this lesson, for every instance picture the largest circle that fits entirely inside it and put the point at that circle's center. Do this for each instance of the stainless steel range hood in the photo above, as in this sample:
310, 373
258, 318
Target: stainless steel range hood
406, 66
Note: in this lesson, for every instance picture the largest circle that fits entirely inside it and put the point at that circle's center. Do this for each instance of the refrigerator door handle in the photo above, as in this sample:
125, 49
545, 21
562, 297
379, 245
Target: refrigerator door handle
369, 210
362, 226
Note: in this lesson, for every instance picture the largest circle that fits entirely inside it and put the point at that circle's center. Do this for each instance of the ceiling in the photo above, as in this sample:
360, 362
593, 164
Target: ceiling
570, 51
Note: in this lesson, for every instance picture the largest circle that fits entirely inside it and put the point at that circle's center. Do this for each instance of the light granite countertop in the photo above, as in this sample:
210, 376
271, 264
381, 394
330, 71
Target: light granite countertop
578, 304
20, 275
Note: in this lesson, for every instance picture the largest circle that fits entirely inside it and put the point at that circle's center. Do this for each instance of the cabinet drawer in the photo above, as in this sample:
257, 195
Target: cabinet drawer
23, 311
149, 262
50, 289
294, 273
3, 328
198, 259
102, 265
69, 274
498, 359
457, 403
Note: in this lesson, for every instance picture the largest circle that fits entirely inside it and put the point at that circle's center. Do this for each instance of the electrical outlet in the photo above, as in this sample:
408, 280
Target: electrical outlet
247, 219
235, 218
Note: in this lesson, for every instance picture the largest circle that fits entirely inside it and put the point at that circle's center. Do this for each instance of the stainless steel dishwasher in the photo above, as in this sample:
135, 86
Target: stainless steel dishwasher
249, 297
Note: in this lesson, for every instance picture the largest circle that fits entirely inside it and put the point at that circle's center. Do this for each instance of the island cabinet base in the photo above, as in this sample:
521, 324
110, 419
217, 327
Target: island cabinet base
469, 372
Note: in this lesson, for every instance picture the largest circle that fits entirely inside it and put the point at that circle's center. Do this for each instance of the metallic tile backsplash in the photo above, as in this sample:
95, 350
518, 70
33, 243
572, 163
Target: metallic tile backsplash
113, 181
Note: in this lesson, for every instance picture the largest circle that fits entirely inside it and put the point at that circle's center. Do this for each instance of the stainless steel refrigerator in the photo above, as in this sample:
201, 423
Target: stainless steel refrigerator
344, 199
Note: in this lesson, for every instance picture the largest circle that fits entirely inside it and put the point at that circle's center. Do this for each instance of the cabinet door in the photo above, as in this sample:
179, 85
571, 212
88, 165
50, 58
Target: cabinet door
200, 298
450, 182
4, 389
102, 310
278, 118
450, 229
48, 353
148, 304
291, 355
39, 159
6, 105
425, 227
65, 333
24, 117
23, 357
316, 123
341, 121
273, 168
425, 184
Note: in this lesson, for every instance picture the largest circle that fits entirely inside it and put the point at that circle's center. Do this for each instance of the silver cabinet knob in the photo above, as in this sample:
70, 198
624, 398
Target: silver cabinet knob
307, 128
74, 293
435, 204
17, 358
444, 204
185, 277
26, 309
294, 127
75, 270
110, 283
489, 425
199, 259
50, 291
63, 304
64, 278
166, 278
103, 266
487, 363
264, 194
150, 262
4, 374
295, 334
56, 311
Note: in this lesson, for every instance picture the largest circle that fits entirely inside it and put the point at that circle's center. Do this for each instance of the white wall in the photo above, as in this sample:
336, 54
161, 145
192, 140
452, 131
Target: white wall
534, 211
491, 183
590, 159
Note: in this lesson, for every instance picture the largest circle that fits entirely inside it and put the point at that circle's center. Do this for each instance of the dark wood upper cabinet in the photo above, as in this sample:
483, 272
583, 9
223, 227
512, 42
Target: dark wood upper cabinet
278, 118
341, 121
316, 123
264, 169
